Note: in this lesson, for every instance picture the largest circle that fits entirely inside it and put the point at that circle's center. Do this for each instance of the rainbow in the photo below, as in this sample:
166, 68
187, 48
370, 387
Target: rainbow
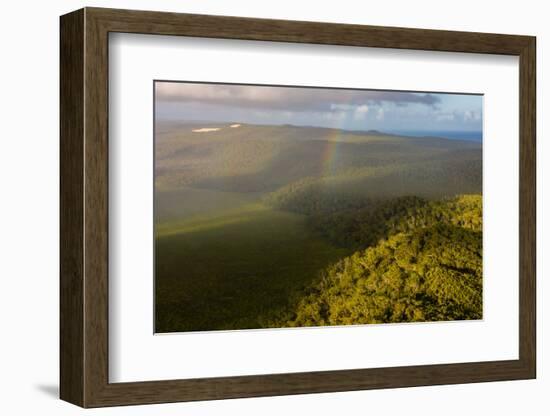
330, 153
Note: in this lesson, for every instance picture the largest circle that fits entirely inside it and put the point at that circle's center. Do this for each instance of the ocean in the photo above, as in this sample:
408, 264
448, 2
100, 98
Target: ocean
475, 136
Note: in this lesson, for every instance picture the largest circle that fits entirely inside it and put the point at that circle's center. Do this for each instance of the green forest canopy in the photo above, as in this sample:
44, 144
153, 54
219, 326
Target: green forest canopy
405, 214
427, 266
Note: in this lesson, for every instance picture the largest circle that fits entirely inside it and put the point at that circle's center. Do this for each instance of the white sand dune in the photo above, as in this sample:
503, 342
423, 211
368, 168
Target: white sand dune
210, 129
206, 129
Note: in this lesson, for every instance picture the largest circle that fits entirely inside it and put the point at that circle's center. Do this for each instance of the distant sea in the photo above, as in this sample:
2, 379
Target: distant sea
474, 136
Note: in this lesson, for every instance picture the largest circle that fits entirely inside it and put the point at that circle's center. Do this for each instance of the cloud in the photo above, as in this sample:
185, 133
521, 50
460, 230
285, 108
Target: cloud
342, 107
466, 116
445, 117
334, 115
472, 116
380, 114
285, 98
361, 112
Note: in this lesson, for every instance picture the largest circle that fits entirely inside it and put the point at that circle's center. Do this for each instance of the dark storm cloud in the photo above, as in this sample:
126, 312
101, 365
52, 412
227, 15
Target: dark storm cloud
283, 98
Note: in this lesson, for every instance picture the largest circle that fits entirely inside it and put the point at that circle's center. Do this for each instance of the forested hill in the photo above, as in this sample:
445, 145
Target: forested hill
427, 266
252, 158
275, 226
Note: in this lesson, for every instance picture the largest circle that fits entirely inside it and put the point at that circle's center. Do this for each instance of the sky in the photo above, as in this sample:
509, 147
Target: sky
382, 110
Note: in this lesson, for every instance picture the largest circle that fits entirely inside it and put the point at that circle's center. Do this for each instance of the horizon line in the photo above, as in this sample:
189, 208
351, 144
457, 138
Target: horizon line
385, 131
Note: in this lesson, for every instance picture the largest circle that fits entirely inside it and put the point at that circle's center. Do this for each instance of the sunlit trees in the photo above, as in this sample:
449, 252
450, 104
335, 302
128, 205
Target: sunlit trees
428, 268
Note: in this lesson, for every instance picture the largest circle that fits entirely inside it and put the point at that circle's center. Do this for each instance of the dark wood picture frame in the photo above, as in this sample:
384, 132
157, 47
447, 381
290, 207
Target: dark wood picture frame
84, 207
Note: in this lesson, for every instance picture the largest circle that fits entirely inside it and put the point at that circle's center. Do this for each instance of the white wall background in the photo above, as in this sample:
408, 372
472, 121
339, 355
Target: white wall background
29, 207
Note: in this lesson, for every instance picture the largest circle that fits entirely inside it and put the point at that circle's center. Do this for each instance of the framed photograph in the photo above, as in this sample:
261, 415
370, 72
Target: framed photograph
255, 207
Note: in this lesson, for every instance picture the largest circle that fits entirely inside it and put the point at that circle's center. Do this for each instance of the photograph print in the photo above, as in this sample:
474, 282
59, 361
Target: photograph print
291, 206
